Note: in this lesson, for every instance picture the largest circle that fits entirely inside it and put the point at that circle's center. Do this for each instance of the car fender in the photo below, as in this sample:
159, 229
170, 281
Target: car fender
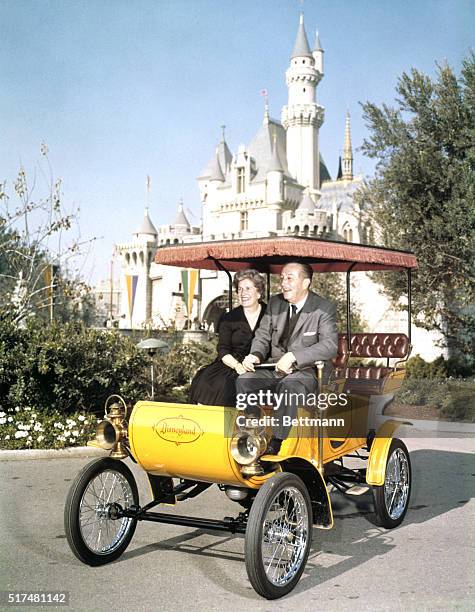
376, 470
316, 486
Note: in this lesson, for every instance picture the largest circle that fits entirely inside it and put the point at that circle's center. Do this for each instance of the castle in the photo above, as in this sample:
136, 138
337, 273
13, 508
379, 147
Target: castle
277, 185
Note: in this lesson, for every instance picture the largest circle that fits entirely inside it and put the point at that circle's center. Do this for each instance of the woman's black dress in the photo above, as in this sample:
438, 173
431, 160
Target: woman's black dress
215, 384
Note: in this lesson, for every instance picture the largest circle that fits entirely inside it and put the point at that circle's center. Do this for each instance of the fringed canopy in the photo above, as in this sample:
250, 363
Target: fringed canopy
271, 254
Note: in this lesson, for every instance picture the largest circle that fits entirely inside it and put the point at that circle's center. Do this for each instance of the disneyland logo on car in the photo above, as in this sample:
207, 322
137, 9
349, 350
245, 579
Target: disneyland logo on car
178, 430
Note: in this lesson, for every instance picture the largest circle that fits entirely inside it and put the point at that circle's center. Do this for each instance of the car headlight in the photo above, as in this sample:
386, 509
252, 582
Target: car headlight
246, 447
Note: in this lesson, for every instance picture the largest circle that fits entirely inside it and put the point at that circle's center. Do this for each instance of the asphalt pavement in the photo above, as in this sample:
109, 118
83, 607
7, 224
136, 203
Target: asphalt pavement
426, 564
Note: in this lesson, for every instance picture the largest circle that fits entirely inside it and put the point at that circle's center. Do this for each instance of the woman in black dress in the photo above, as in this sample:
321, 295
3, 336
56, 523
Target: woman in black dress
214, 385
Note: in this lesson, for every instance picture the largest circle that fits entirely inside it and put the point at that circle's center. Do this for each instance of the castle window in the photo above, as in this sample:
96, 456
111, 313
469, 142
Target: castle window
244, 220
305, 230
304, 90
296, 229
240, 180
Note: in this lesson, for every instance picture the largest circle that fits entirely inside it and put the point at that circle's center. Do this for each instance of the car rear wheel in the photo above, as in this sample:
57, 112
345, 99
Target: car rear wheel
94, 533
278, 535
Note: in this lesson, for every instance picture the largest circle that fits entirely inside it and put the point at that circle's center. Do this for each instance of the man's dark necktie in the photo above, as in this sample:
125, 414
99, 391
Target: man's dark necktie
292, 317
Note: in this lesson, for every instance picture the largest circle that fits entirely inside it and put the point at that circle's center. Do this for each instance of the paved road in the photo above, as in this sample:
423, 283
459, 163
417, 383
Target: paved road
426, 564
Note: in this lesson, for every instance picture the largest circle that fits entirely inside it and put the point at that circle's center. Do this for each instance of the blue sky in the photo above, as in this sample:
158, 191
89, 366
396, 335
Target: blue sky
119, 89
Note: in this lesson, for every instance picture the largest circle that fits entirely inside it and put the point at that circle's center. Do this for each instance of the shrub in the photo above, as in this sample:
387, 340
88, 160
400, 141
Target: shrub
177, 368
68, 368
26, 428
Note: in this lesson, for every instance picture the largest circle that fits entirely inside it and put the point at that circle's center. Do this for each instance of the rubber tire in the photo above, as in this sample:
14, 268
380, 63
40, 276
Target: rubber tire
252, 544
71, 511
382, 518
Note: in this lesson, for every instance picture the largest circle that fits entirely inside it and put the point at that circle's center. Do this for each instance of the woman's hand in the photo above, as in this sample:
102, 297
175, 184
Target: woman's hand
240, 369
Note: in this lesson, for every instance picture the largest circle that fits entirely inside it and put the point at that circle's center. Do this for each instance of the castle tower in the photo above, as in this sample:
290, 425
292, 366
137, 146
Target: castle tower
302, 116
136, 289
347, 158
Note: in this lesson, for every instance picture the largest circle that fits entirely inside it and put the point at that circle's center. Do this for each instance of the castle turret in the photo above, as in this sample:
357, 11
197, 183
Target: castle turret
302, 117
318, 54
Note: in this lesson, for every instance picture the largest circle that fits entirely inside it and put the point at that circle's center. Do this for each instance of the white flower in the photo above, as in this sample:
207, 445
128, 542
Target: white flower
17, 409
2, 414
66, 434
61, 438
75, 433
37, 427
3, 421
29, 439
28, 408
7, 437
20, 434
40, 438
33, 415
80, 417
86, 422
10, 419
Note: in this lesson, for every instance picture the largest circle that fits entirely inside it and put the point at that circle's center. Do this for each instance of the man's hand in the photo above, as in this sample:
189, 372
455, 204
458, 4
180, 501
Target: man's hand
249, 361
240, 369
285, 363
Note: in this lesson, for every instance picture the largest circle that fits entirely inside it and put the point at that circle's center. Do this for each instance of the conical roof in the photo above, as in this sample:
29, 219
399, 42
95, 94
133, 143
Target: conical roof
224, 156
340, 171
181, 217
147, 227
275, 165
307, 204
301, 47
261, 148
216, 174
318, 44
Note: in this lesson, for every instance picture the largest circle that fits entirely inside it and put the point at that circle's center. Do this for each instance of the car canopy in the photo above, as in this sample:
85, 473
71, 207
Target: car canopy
271, 254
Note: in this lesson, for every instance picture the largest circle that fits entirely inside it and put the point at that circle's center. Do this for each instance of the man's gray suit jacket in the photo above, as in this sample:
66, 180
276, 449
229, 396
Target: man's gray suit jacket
314, 338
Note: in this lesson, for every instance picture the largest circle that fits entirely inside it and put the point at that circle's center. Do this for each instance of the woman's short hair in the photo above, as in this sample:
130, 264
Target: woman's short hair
254, 276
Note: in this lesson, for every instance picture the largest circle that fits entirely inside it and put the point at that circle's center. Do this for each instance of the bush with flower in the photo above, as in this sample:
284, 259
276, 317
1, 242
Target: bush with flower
26, 428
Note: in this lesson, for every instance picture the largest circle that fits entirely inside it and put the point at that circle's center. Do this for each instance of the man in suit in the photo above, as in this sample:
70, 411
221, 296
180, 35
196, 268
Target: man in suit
298, 328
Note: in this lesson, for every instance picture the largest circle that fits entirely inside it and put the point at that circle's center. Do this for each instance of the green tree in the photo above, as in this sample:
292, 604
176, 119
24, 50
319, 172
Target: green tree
422, 197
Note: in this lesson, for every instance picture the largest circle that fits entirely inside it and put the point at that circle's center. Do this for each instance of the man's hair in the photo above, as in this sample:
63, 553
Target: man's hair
254, 276
304, 267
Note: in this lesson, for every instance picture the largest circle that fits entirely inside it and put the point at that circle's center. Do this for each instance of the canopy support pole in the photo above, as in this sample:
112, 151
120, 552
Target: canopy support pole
220, 266
409, 303
268, 285
348, 305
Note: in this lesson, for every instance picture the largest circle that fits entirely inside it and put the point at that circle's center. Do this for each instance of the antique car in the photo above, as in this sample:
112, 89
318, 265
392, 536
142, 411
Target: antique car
184, 449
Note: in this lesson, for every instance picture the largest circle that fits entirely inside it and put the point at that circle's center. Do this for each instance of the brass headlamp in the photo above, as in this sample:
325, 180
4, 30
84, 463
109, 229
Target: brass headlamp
247, 445
112, 431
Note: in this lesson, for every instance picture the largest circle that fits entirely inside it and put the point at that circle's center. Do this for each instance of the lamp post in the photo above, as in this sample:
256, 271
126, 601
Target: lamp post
153, 346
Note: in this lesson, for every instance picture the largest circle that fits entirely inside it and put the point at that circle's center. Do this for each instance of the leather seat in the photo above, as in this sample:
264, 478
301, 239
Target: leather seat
368, 379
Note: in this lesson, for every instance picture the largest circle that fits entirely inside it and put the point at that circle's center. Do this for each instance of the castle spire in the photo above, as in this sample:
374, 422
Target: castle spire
347, 158
301, 47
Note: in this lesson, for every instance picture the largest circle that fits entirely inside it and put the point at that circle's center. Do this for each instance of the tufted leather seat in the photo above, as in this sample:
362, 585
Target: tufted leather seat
369, 379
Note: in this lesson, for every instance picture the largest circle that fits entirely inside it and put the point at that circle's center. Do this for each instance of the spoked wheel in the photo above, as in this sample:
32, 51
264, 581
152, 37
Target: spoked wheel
278, 535
391, 500
94, 535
